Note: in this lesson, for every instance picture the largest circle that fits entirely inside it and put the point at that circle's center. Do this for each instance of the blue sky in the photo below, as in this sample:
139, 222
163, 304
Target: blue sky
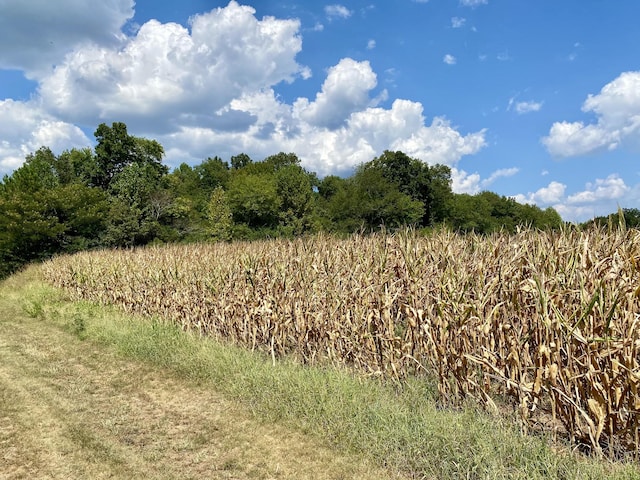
534, 99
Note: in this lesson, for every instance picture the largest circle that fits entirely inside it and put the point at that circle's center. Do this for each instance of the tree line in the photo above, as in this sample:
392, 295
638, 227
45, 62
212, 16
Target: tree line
120, 194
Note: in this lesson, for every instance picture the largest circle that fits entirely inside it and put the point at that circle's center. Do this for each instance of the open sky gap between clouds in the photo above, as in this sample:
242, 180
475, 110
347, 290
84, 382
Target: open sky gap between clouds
211, 88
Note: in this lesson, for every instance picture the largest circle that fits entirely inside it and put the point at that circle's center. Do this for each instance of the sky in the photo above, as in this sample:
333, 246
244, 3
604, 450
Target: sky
533, 99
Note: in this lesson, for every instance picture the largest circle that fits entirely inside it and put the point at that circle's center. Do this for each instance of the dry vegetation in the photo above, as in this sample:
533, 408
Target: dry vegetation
548, 321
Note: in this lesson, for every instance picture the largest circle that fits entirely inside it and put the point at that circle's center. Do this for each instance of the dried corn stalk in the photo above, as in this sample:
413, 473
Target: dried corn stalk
548, 319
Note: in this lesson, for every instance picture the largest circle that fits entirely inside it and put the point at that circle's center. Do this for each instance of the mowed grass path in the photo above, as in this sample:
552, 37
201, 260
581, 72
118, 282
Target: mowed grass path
73, 408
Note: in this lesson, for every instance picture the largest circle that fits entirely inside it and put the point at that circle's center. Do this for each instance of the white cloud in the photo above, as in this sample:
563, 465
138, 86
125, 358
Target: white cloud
523, 107
473, 3
501, 173
371, 44
167, 75
617, 108
345, 91
365, 134
571, 139
211, 89
337, 11
458, 22
449, 59
527, 107
598, 198
573, 55
36, 34
463, 182
25, 128
439, 142
610, 188
551, 194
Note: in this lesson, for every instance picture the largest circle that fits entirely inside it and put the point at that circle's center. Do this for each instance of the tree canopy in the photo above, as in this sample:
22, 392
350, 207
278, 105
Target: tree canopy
120, 194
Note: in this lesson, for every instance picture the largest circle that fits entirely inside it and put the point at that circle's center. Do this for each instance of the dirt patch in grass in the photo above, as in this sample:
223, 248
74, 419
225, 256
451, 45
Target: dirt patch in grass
73, 409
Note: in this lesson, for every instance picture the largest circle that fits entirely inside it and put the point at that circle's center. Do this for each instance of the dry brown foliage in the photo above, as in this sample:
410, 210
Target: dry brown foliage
549, 320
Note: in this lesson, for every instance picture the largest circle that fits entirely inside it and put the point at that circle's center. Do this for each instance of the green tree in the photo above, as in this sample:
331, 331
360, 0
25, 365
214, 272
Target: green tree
551, 219
29, 229
213, 173
37, 173
135, 183
294, 187
487, 212
429, 185
369, 200
188, 207
83, 211
127, 225
240, 161
116, 149
281, 160
39, 216
467, 213
76, 166
630, 217
254, 200
138, 201
219, 216
330, 185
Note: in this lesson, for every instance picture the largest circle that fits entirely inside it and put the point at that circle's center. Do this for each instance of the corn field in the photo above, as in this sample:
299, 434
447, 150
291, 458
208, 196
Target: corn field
548, 321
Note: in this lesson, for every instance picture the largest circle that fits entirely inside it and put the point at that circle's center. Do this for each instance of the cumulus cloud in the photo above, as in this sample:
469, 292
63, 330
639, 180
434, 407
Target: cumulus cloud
365, 134
345, 90
166, 72
439, 142
36, 34
463, 182
337, 11
449, 59
552, 193
567, 139
617, 108
610, 188
523, 107
471, 183
25, 128
598, 198
211, 89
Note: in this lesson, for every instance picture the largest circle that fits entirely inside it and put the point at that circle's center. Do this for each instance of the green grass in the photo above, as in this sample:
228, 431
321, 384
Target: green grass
398, 426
